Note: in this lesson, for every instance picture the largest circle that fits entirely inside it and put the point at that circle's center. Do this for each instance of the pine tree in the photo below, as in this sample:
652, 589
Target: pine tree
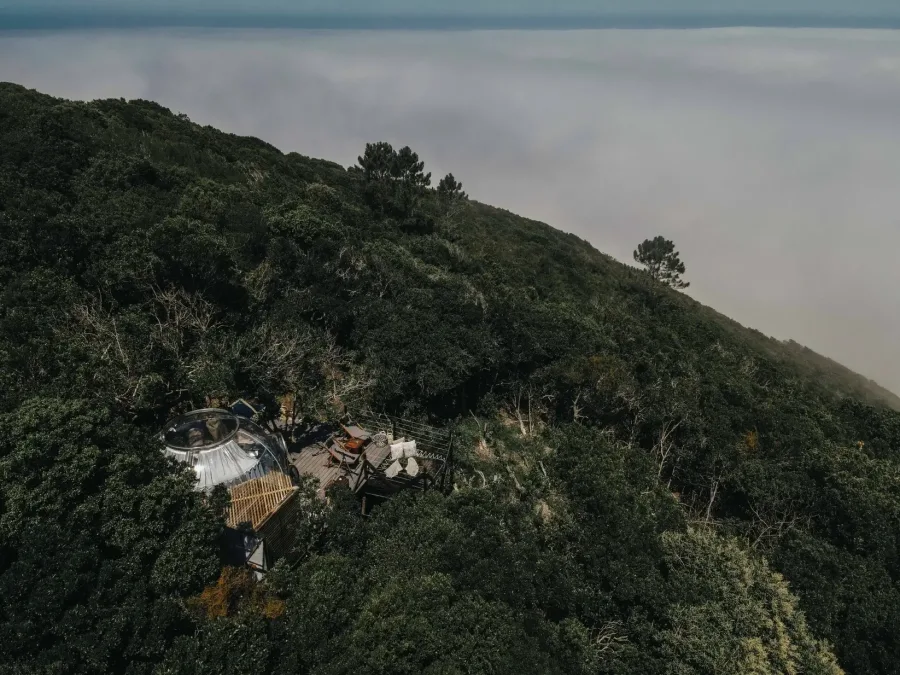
394, 180
377, 167
662, 261
411, 180
449, 189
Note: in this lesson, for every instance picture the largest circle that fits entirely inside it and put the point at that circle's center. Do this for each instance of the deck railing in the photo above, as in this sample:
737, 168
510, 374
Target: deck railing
433, 443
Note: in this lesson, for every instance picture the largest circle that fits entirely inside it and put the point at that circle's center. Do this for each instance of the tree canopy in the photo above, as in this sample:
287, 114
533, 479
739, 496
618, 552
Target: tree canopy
640, 484
394, 180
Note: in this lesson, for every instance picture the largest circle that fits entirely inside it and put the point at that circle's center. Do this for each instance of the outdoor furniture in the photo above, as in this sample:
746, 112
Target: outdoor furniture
354, 445
354, 431
339, 454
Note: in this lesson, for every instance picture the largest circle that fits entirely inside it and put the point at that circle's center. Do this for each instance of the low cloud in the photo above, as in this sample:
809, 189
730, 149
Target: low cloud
771, 157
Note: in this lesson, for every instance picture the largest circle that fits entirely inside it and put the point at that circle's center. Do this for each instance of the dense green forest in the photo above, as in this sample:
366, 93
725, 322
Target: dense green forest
642, 486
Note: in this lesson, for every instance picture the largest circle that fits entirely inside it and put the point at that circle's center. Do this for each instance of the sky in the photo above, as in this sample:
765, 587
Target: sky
770, 156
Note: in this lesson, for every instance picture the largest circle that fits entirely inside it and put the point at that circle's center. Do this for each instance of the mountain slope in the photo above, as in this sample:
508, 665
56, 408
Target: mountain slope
148, 262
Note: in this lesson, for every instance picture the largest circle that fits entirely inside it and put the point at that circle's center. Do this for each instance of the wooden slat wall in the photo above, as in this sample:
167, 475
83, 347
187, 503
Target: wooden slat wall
253, 501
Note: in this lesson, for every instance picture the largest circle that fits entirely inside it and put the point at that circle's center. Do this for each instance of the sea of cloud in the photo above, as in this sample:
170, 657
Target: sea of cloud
770, 156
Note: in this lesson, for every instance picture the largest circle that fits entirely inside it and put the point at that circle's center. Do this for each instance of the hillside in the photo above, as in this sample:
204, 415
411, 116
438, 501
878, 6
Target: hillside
651, 463
841, 379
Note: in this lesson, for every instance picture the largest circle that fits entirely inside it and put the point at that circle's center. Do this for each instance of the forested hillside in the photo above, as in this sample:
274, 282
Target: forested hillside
641, 486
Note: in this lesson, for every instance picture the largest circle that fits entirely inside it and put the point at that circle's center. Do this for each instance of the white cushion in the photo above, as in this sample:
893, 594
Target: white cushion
393, 469
412, 467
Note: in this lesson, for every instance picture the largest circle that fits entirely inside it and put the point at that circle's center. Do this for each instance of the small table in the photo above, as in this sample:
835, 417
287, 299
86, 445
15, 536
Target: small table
354, 445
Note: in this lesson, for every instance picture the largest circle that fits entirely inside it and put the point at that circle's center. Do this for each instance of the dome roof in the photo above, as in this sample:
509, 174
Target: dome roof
223, 449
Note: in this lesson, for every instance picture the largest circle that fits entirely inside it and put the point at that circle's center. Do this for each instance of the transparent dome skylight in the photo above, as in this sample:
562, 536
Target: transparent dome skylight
222, 448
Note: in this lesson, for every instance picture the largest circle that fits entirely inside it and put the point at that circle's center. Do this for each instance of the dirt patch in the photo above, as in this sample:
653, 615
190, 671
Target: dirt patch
543, 511
483, 451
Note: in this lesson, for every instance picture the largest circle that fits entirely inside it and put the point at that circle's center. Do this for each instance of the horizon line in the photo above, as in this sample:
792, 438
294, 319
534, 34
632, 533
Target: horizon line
37, 20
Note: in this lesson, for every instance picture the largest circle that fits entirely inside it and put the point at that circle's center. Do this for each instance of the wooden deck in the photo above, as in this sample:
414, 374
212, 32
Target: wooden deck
314, 461
375, 455
311, 457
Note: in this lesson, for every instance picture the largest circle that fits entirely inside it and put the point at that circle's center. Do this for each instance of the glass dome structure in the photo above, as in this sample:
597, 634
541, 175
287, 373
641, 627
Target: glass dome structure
222, 448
